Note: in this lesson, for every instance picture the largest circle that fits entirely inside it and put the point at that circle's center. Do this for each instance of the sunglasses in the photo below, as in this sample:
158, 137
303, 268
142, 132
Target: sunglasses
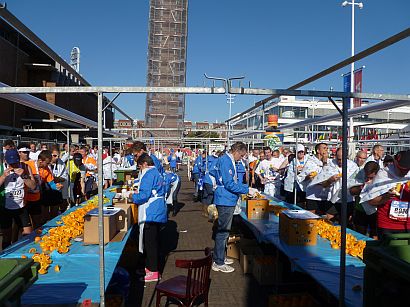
55, 155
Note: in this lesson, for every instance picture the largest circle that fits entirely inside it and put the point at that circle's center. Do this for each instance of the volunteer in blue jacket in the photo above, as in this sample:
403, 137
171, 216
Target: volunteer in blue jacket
138, 148
209, 181
226, 197
172, 159
196, 173
173, 184
152, 214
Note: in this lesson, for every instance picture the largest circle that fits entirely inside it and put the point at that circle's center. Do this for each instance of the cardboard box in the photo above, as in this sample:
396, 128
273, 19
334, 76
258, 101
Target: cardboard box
248, 250
257, 208
266, 270
129, 220
125, 203
298, 227
114, 219
232, 250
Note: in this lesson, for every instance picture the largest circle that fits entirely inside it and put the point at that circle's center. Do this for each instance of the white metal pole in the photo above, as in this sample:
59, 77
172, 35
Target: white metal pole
295, 181
68, 168
351, 131
101, 200
111, 158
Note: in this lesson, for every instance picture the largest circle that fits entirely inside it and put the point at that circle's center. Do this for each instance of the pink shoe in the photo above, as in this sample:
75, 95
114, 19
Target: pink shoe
152, 276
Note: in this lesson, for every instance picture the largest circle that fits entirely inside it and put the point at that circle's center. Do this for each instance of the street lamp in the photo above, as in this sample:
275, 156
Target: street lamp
360, 5
227, 84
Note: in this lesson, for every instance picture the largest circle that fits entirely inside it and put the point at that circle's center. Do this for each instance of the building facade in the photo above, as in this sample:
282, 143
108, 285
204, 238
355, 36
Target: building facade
167, 44
25, 60
291, 109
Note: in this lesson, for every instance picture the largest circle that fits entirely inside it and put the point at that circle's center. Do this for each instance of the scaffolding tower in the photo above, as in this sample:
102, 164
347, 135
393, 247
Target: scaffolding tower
167, 43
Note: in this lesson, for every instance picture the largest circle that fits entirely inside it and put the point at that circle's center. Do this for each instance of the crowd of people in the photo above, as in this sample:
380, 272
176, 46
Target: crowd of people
39, 182
378, 195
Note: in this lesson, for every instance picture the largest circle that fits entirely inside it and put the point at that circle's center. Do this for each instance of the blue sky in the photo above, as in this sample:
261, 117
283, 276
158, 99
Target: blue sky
274, 44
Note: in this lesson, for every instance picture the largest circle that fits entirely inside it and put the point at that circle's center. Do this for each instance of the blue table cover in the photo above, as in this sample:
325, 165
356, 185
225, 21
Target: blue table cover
321, 261
78, 278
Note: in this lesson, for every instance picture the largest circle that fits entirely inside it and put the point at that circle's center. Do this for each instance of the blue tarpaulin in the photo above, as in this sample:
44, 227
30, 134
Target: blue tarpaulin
321, 261
78, 278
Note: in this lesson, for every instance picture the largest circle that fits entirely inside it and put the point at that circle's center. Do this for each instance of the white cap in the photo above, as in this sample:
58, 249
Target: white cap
300, 147
24, 149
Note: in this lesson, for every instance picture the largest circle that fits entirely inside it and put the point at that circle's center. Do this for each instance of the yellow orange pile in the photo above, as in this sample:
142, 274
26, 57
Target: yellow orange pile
58, 238
44, 260
354, 247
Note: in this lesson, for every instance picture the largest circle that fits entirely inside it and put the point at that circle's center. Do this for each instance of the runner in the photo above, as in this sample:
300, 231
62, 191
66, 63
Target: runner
14, 180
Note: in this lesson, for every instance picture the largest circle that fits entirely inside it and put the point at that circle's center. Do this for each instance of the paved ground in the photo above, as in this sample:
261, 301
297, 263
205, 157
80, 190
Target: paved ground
186, 236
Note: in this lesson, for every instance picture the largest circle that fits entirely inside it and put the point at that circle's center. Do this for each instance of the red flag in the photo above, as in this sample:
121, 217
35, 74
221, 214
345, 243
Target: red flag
357, 102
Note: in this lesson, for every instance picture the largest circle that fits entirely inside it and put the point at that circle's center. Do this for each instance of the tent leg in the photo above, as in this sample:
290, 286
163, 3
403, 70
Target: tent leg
343, 221
101, 200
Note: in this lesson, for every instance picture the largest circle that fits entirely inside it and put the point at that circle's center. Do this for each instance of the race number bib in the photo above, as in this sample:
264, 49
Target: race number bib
399, 210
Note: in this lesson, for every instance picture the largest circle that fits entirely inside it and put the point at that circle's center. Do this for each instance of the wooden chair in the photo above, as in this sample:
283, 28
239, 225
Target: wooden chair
188, 289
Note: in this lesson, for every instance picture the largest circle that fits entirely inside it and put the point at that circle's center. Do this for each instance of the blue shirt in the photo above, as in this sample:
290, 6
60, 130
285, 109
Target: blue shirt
228, 187
158, 164
172, 161
241, 171
211, 166
197, 165
152, 181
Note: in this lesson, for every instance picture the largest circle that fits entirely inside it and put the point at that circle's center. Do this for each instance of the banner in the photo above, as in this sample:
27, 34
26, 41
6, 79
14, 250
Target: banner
357, 102
346, 82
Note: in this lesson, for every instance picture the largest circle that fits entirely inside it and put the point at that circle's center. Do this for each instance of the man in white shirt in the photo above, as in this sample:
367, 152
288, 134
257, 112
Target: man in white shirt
33, 152
335, 185
377, 155
267, 171
317, 196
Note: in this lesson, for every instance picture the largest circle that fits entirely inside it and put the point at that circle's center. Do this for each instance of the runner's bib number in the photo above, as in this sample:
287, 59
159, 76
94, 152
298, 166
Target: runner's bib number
399, 210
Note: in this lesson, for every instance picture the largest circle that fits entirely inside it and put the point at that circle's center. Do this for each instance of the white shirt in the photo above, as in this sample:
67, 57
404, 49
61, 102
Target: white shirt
34, 155
59, 170
337, 185
65, 157
371, 158
316, 191
265, 169
14, 191
252, 158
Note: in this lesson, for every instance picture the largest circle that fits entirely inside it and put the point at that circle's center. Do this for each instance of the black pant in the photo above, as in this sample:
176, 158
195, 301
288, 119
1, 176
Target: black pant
151, 246
208, 196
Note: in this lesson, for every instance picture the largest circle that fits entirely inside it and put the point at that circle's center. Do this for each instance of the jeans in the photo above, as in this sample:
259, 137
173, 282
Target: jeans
225, 215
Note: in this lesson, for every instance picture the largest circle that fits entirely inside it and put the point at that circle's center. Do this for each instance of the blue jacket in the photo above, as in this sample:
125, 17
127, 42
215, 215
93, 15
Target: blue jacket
211, 166
241, 171
197, 165
130, 159
172, 161
158, 164
157, 210
227, 191
169, 179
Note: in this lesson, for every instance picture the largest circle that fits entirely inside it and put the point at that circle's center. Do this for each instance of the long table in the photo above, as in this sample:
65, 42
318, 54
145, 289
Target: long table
78, 279
321, 262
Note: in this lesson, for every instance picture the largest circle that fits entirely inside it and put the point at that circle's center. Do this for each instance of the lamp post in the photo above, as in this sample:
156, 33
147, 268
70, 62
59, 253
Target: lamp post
360, 5
229, 100
227, 84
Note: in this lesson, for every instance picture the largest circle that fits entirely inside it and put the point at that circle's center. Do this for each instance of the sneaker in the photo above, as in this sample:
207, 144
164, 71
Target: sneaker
152, 276
229, 261
222, 268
